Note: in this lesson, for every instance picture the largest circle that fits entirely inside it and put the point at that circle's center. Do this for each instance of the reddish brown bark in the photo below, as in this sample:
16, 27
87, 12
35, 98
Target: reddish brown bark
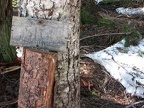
37, 78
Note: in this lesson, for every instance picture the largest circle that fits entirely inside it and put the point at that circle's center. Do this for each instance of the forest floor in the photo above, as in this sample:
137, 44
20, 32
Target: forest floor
98, 88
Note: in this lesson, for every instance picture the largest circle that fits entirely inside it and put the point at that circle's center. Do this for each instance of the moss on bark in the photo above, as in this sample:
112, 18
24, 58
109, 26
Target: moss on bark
7, 52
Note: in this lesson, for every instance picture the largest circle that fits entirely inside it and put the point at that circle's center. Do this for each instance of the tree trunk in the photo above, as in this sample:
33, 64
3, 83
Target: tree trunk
66, 92
67, 85
7, 52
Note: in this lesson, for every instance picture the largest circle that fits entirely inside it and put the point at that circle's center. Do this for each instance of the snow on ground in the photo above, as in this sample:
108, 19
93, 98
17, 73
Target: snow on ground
130, 11
19, 51
125, 64
98, 1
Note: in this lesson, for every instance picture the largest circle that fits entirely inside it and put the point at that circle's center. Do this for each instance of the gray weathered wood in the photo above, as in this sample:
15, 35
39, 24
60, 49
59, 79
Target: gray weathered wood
39, 33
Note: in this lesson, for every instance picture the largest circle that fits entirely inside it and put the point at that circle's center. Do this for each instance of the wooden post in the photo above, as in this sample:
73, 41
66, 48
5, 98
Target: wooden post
37, 88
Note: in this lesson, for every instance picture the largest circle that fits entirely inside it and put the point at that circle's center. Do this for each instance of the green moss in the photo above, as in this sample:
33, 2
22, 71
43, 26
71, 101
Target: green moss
133, 38
7, 53
88, 12
14, 3
106, 23
94, 93
87, 17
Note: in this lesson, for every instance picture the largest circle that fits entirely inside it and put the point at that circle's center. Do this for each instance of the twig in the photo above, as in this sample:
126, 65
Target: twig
8, 102
10, 69
99, 35
136, 103
128, 99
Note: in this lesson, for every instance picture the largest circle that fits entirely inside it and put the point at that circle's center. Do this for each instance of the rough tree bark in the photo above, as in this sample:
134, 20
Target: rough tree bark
67, 85
7, 53
37, 79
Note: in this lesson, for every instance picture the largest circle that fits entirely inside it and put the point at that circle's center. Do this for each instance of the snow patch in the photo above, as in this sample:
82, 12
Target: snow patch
125, 64
130, 11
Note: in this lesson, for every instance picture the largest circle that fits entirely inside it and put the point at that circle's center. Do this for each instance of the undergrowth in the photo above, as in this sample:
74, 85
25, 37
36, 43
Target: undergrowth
133, 38
87, 17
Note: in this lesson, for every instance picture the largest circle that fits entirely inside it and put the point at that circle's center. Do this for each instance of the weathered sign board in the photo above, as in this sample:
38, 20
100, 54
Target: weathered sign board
39, 33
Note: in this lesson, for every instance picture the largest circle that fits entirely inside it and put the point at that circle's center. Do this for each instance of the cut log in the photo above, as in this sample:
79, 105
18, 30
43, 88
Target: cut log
37, 79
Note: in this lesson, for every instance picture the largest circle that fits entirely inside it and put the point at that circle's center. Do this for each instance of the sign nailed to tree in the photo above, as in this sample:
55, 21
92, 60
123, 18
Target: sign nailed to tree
53, 25
39, 33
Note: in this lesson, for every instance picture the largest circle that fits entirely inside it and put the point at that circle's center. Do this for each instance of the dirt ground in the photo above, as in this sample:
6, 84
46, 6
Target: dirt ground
98, 88
9, 84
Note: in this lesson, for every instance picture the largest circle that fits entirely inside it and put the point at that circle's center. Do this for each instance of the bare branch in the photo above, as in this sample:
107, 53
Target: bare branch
99, 35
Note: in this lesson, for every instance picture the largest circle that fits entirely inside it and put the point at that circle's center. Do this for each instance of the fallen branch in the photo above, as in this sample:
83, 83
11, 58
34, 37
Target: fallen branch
99, 35
133, 104
10, 69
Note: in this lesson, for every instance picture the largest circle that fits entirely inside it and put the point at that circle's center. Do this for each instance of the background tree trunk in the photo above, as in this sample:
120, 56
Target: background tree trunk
7, 52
